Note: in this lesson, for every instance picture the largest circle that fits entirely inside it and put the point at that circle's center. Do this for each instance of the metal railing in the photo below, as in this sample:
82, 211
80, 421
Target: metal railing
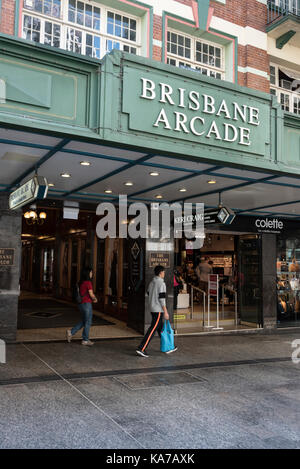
280, 8
193, 287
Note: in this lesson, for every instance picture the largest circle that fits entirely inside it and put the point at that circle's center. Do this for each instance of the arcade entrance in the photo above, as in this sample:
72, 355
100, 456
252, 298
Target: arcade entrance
55, 249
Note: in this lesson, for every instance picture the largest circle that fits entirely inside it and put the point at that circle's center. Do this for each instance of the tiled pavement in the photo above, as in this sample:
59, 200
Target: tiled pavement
215, 392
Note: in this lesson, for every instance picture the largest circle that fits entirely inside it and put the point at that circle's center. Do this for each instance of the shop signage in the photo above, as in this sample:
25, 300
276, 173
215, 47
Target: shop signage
159, 258
35, 188
222, 215
195, 110
269, 225
213, 284
272, 225
7, 257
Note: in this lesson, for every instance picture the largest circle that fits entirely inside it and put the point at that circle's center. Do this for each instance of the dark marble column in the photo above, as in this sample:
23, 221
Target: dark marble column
10, 263
144, 256
269, 294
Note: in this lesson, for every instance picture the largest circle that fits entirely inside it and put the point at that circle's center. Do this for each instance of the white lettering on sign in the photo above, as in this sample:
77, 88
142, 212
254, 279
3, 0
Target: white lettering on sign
267, 224
206, 104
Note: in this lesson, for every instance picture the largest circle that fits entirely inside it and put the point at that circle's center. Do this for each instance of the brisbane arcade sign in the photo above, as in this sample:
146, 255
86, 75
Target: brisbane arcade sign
212, 114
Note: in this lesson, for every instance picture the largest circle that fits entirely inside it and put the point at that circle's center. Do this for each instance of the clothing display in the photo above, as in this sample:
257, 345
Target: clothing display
288, 283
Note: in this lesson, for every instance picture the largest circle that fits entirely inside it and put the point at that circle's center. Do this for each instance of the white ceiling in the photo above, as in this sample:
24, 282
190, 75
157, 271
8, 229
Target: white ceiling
20, 151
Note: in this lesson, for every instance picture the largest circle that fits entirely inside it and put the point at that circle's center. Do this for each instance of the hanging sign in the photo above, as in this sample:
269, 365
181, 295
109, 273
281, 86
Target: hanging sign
35, 188
222, 215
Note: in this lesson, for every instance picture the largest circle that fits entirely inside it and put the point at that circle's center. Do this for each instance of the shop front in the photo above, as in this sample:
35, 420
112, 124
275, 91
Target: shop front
154, 133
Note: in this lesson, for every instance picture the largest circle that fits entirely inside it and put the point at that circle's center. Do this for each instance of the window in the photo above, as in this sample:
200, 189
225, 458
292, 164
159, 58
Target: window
32, 28
285, 84
82, 27
74, 40
46, 7
121, 26
191, 53
40, 30
84, 14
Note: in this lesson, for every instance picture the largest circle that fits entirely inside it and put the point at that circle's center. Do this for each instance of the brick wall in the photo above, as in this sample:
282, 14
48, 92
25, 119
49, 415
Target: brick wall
7, 22
242, 12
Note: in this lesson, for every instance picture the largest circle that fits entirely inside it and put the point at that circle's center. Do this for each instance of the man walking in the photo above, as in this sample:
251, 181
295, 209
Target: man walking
159, 312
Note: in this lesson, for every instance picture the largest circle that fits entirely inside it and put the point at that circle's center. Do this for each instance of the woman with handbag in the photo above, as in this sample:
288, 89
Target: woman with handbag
85, 307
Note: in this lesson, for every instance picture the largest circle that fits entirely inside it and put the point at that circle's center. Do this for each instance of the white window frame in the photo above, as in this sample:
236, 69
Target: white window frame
289, 97
192, 63
65, 24
43, 20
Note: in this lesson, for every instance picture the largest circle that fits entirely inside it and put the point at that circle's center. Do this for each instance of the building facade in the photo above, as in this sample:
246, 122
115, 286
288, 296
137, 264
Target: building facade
194, 92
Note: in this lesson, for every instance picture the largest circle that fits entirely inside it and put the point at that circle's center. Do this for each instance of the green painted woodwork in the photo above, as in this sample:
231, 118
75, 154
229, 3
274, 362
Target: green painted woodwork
283, 19
17, 16
70, 95
284, 39
143, 112
203, 6
291, 140
57, 90
138, 116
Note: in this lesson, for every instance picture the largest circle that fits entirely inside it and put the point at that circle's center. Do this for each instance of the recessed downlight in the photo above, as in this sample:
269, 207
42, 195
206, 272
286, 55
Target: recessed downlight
108, 191
51, 184
182, 190
85, 163
65, 175
211, 181
154, 173
158, 196
128, 183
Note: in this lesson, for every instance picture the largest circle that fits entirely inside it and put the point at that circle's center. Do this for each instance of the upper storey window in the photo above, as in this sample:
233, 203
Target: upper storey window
84, 14
87, 28
46, 7
285, 84
190, 52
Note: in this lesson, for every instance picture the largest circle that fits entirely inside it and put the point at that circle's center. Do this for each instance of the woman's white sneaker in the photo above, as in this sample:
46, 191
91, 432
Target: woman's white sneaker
69, 335
87, 342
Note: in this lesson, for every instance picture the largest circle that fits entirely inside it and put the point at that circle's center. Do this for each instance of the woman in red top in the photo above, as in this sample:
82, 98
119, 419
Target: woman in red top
88, 297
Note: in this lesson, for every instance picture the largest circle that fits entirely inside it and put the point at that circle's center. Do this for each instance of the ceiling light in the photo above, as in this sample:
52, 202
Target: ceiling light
85, 163
158, 196
108, 191
27, 215
51, 184
128, 183
211, 181
154, 173
65, 175
182, 190
43, 215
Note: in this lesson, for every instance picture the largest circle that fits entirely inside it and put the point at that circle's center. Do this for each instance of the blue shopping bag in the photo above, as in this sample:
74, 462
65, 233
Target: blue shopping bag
167, 338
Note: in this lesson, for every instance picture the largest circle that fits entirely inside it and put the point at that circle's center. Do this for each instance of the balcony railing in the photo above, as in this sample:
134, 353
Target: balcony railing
278, 9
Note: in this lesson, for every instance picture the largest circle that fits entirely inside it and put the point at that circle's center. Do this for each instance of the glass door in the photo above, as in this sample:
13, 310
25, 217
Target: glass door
249, 280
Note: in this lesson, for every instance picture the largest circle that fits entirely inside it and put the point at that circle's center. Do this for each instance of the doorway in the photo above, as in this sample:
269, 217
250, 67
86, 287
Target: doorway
235, 259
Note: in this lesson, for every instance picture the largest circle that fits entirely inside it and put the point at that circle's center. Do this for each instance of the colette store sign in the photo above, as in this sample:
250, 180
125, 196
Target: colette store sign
269, 225
195, 110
